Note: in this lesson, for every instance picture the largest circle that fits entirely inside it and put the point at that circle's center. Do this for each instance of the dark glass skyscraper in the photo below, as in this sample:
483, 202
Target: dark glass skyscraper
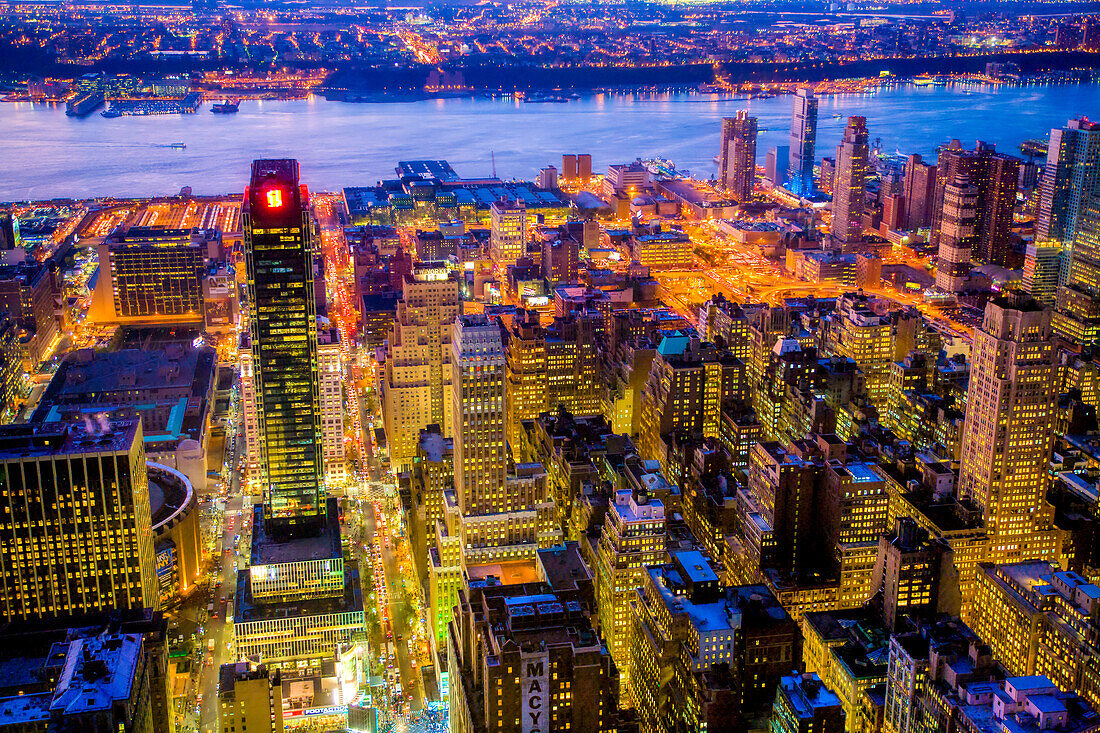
282, 320
1070, 177
803, 142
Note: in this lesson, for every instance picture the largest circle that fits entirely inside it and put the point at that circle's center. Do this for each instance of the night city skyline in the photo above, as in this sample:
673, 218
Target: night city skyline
513, 368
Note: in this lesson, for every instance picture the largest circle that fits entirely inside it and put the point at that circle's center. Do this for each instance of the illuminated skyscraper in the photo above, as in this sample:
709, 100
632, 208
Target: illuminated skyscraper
507, 231
1077, 317
737, 159
331, 364
958, 234
1009, 426
155, 274
1071, 175
998, 202
995, 176
633, 538
729, 125
249, 415
480, 459
864, 336
505, 510
74, 515
283, 327
919, 188
526, 394
803, 142
416, 383
1042, 264
851, 182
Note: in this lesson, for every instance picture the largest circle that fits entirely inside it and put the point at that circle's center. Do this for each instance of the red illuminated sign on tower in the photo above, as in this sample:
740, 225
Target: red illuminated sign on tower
274, 198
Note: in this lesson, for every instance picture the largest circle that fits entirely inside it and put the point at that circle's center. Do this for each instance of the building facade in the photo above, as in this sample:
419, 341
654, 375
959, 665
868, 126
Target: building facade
282, 321
76, 521
416, 378
851, 182
1009, 427
803, 142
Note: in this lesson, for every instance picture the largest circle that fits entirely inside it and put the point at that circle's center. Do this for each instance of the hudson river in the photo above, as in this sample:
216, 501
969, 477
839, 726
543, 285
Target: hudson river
45, 154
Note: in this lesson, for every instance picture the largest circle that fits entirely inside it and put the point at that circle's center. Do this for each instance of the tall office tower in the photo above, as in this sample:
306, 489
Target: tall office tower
952, 161
416, 381
155, 274
11, 367
893, 211
1077, 317
803, 142
740, 171
705, 655
776, 163
853, 509
998, 202
560, 259
851, 182
1009, 426
995, 177
249, 414
633, 538
283, 327
908, 379
859, 333
958, 234
584, 166
687, 386
573, 364
431, 476
909, 575
1042, 265
526, 394
1071, 175
803, 704
330, 363
919, 188
477, 383
74, 514
779, 499
508, 231
569, 167
725, 148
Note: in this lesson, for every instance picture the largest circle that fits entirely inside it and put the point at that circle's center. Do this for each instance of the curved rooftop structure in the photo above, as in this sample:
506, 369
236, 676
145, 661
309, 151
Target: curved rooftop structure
171, 497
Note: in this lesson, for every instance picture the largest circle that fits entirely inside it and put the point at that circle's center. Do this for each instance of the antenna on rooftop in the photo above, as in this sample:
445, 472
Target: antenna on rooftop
493, 156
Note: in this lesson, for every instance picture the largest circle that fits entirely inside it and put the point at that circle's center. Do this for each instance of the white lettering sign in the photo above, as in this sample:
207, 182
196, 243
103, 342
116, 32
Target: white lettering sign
534, 692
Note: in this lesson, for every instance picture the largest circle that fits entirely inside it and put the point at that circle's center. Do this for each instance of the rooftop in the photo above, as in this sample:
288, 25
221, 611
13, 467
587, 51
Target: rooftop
808, 693
508, 573
696, 566
349, 602
170, 494
98, 672
562, 566
266, 550
62, 439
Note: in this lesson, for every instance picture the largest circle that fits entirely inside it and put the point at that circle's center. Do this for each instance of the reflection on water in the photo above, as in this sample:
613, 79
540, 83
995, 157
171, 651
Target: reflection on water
46, 154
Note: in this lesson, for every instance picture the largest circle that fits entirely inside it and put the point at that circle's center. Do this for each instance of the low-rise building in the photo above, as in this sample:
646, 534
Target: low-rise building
803, 704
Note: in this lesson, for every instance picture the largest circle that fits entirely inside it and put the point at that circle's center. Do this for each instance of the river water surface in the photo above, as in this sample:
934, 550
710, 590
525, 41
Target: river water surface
45, 154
